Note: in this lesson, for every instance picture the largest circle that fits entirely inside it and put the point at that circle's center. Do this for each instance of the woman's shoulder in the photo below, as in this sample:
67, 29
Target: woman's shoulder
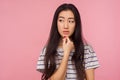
86, 46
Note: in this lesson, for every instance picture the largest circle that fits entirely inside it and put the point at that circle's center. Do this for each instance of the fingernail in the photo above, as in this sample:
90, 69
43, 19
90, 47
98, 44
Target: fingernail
64, 37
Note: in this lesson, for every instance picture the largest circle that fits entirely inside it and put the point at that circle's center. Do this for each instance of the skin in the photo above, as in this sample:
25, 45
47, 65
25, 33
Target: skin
66, 22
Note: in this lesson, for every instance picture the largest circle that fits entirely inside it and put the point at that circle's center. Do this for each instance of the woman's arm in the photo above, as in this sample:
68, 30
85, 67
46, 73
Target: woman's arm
60, 73
90, 74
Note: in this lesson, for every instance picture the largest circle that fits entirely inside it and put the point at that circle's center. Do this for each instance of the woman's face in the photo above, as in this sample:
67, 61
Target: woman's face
66, 23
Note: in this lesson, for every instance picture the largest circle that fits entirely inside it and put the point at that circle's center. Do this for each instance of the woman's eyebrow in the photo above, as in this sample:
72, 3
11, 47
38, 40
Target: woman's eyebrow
64, 17
61, 17
71, 18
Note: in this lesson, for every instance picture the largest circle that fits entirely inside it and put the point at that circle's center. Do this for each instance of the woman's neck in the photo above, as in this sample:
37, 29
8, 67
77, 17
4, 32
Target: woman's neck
60, 43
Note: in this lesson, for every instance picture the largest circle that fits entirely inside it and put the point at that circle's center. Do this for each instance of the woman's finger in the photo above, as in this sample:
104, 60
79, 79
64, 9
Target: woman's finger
64, 40
68, 40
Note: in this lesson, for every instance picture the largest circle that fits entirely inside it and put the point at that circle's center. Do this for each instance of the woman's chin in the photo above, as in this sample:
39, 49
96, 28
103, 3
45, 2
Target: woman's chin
65, 35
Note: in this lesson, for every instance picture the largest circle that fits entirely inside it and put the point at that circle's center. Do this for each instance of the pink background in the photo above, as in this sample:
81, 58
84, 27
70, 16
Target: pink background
24, 29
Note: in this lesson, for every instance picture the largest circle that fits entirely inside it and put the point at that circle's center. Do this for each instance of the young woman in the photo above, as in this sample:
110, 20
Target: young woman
66, 56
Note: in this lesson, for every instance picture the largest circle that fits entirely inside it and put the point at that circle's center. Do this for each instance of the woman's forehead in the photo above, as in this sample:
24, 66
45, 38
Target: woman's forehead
66, 14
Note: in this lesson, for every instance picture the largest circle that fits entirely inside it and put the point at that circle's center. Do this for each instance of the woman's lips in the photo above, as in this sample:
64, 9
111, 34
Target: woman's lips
65, 32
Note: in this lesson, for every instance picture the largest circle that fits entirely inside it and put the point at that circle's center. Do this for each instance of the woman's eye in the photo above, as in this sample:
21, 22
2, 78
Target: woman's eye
60, 20
71, 21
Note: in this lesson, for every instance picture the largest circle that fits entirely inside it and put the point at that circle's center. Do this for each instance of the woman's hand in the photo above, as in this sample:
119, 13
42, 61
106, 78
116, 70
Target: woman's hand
67, 44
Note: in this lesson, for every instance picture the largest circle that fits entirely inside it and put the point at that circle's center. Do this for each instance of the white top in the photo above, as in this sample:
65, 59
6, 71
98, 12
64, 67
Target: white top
90, 58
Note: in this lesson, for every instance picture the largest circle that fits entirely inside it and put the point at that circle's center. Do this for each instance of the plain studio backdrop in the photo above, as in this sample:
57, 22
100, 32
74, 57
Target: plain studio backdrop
24, 29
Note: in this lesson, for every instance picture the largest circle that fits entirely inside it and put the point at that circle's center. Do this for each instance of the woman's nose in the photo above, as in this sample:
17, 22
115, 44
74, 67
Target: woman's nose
66, 25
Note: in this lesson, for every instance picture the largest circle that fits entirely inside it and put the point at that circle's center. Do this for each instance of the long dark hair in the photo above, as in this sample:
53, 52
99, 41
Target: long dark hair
53, 41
